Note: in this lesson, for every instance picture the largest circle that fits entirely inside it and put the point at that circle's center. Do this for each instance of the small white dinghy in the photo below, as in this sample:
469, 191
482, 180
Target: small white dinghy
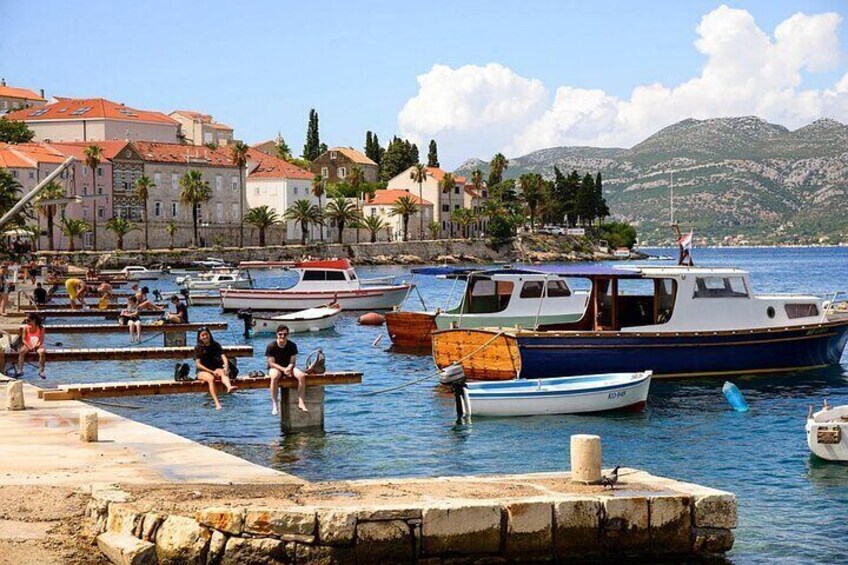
563, 395
827, 432
309, 320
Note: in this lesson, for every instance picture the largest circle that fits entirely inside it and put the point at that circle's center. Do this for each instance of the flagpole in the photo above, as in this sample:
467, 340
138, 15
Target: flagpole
671, 198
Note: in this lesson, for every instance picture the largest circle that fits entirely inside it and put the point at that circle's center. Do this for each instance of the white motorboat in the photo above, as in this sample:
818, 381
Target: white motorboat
136, 273
827, 432
309, 320
319, 282
564, 395
193, 297
217, 279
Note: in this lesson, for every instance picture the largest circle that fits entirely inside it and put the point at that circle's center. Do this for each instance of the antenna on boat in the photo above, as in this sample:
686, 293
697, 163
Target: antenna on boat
671, 196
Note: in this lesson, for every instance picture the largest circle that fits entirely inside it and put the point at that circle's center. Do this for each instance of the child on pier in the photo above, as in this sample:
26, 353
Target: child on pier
212, 364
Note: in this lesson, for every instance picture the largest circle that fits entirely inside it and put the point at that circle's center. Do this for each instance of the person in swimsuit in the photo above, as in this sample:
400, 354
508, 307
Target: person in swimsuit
212, 364
32, 340
76, 293
129, 316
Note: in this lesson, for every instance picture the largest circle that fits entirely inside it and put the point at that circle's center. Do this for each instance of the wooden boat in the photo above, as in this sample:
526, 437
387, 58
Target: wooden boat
680, 321
827, 432
565, 395
493, 298
319, 282
487, 355
309, 320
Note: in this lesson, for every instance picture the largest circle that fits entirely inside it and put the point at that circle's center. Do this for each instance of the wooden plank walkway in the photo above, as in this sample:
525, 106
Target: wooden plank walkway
53, 329
91, 313
136, 353
155, 388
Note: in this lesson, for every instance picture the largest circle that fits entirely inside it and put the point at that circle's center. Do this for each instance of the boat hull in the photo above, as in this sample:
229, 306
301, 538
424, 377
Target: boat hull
560, 396
486, 355
281, 300
828, 440
412, 330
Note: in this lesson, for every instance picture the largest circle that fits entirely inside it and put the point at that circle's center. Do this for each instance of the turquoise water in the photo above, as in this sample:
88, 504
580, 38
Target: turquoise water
792, 507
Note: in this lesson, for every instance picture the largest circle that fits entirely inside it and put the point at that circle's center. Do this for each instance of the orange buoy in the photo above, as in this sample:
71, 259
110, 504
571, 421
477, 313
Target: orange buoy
372, 319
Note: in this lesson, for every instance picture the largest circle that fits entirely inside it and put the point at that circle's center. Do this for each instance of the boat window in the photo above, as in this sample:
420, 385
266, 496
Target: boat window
801, 310
644, 302
720, 287
352, 275
314, 275
226, 278
531, 289
487, 296
558, 289
335, 275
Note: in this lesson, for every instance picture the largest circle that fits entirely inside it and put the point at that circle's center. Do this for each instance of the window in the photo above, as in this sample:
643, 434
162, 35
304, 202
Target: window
335, 275
219, 183
558, 289
325, 172
234, 212
720, 287
32, 174
157, 179
456, 206
487, 296
101, 213
801, 310
175, 208
85, 190
100, 190
234, 183
14, 174
175, 180
85, 171
99, 171
373, 212
157, 209
445, 207
314, 275
333, 155
531, 289
256, 190
456, 190
219, 211
342, 172
295, 190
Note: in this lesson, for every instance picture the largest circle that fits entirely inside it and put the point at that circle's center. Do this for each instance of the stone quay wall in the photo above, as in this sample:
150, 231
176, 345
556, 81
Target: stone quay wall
668, 519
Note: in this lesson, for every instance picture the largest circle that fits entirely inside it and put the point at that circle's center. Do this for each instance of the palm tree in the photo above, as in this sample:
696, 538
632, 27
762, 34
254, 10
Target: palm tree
262, 218
464, 217
239, 152
319, 186
195, 191
434, 228
447, 184
373, 224
498, 166
304, 213
532, 186
73, 228
142, 191
477, 180
419, 174
171, 230
50, 191
342, 211
93, 156
120, 227
405, 206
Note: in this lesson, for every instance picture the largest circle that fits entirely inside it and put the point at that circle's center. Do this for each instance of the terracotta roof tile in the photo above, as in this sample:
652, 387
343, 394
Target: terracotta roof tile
89, 108
31, 154
438, 174
269, 167
354, 155
158, 152
111, 149
389, 196
22, 93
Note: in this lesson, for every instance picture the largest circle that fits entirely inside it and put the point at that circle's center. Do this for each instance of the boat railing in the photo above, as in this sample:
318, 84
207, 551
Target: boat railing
388, 279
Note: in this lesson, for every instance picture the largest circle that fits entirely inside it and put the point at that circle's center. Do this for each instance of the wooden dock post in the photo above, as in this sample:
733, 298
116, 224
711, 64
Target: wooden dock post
292, 419
15, 396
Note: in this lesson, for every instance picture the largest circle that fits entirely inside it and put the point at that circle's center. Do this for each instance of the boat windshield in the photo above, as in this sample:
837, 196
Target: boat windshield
644, 302
486, 296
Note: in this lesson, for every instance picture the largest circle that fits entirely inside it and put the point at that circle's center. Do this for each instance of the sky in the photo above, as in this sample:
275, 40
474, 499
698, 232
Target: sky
478, 77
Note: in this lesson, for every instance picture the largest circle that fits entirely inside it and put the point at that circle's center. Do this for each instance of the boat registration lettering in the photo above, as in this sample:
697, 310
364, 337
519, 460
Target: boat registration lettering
817, 331
617, 394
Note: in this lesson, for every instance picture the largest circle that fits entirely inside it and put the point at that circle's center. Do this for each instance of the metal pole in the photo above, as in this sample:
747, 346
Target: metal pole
34, 192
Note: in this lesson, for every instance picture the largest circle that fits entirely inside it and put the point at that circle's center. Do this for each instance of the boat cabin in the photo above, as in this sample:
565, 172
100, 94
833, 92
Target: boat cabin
335, 274
679, 299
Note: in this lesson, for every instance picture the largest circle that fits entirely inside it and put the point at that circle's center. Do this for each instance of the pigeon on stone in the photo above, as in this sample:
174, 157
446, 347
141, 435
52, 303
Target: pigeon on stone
612, 479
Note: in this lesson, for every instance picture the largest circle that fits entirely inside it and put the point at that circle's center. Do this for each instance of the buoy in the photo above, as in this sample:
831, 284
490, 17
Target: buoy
372, 319
734, 397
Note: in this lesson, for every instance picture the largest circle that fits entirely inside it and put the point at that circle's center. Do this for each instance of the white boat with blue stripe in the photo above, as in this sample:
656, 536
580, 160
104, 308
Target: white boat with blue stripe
562, 395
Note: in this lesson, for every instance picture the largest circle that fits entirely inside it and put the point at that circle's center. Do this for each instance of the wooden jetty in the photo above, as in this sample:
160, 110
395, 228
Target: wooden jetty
53, 329
78, 313
136, 353
155, 388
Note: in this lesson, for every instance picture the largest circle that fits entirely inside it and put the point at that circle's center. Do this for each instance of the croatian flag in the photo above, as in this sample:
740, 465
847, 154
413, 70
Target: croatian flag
685, 241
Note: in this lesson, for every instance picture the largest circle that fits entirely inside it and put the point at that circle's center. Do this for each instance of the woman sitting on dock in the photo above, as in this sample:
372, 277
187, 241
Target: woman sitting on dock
212, 364
129, 316
32, 340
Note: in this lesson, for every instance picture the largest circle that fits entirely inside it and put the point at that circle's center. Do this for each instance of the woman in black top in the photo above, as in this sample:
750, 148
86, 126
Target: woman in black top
212, 365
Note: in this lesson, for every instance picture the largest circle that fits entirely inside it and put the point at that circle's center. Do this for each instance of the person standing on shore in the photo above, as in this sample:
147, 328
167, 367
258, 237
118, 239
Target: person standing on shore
282, 361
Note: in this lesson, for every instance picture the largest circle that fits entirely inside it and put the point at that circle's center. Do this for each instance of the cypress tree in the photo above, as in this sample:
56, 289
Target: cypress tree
378, 151
433, 155
369, 146
572, 186
601, 208
312, 147
585, 201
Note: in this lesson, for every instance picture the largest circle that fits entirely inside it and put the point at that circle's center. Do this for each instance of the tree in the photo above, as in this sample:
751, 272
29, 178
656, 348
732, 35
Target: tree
73, 228
477, 180
142, 191
601, 208
304, 213
419, 174
93, 156
238, 156
319, 187
171, 230
50, 191
356, 179
464, 217
433, 155
281, 148
497, 168
262, 218
194, 191
312, 147
341, 211
434, 228
404, 207
399, 156
373, 224
584, 203
532, 186
447, 184
120, 227
322, 148
12, 131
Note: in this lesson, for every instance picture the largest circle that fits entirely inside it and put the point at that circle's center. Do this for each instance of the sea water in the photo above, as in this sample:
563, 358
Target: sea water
793, 508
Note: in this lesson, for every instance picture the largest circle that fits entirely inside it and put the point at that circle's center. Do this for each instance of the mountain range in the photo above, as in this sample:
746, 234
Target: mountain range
736, 180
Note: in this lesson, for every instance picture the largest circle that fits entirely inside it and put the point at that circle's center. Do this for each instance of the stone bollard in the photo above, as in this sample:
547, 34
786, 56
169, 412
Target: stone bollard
88, 425
15, 396
586, 459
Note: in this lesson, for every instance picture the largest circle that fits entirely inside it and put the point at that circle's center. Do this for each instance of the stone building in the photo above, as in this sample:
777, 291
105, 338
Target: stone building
13, 98
201, 129
335, 164
381, 205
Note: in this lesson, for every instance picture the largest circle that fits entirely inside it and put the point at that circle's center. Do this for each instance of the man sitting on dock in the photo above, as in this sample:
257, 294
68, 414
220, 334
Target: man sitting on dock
39, 295
282, 360
180, 313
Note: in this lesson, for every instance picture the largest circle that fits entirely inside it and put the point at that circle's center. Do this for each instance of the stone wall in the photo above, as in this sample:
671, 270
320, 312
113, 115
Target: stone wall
670, 519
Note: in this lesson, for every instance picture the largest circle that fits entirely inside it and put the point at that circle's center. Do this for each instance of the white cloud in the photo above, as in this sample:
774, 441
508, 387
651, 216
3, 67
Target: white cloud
478, 110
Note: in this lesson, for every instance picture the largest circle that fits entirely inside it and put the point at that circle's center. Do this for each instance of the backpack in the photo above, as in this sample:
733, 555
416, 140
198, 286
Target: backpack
181, 372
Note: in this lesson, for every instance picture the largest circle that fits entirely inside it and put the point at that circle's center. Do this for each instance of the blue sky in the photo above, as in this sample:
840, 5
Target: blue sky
260, 66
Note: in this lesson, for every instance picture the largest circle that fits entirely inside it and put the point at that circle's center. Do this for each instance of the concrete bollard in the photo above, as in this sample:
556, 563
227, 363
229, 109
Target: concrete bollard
88, 425
15, 396
585, 459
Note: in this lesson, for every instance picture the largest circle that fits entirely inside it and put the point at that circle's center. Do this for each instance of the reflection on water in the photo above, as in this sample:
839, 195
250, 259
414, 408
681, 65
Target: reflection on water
792, 507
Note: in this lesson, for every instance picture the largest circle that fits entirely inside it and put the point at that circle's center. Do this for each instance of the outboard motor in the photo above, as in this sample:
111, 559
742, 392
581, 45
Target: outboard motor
246, 316
454, 377
157, 295
184, 293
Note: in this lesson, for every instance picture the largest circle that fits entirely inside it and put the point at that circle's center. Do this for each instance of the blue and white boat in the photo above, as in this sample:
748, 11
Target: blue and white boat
566, 395
678, 321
